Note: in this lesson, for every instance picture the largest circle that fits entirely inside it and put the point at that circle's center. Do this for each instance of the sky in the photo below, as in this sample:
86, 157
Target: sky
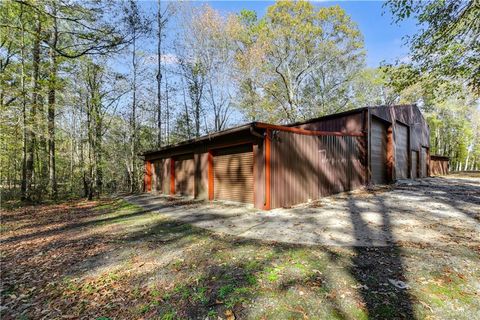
384, 40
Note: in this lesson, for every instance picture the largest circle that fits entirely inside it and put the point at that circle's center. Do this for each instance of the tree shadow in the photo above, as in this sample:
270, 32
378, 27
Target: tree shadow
376, 268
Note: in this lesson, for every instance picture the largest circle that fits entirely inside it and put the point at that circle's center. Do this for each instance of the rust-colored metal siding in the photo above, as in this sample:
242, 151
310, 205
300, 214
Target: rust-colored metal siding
351, 123
158, 176
184, 175
259, 175
414, 164
378, 155
201, 176
424, 163
438, 165
401, 151
309, 167
233, 174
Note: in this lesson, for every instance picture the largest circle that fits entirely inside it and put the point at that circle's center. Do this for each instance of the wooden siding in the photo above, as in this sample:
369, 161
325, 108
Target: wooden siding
308, 167
233, 174
401, 151
379, 152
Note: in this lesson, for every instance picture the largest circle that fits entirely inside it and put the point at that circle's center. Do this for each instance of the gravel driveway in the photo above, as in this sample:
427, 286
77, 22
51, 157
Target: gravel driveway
435, 211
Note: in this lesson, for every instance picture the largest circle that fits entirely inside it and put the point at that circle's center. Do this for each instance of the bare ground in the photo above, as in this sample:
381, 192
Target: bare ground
407, 252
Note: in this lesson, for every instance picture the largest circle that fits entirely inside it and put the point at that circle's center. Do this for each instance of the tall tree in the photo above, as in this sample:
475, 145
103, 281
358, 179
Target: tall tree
137, 26
447, 46
162, 20
308, 58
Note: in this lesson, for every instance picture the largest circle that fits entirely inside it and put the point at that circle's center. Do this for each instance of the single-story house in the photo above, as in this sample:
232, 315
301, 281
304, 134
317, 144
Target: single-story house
272, 166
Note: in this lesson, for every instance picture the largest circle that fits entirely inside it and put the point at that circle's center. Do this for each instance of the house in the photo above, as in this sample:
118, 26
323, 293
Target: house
272, 166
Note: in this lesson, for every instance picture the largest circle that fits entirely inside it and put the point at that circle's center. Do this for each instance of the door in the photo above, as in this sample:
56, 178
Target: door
233, 174
414, 164
184, 175
401, 151
424, 165
379, 152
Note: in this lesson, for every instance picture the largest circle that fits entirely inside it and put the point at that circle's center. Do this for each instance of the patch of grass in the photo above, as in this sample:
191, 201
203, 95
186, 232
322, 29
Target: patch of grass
169, 315
225, 290
183, 291
272, 274
200, 294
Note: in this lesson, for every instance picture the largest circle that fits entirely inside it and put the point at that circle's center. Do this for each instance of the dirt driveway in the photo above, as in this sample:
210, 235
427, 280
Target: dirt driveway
438, 211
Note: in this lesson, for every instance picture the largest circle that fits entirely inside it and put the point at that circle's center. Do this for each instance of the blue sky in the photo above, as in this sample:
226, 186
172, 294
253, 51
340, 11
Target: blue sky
383, 38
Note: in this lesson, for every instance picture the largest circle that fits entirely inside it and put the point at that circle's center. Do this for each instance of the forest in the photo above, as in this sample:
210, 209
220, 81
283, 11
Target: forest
86, 86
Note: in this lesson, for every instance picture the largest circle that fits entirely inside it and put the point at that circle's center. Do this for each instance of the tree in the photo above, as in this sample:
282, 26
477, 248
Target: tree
304, 59
447, 45
136, 26
162, 20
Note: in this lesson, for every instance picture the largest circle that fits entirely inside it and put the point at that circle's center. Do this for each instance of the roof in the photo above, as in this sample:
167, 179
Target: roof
202, 138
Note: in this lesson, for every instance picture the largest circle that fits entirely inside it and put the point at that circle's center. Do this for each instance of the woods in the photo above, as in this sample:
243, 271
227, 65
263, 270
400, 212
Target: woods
86, 86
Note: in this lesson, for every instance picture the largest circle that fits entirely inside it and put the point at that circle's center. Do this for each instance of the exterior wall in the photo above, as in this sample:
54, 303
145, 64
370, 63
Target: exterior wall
201, 176
438, 165
258, 175
348, 123
419, 135
308, 167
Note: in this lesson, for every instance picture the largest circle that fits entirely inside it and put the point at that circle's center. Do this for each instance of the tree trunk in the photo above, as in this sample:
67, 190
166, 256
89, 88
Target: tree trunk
33, 112
159, 76
52, 180
24, 115
133, 142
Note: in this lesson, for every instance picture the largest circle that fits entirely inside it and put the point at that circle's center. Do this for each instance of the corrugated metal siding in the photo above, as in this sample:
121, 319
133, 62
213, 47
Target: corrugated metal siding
184, 175
414, 164
424, 163
379, 152
259, 175
309, 167
401, 151
201, 176
158, 176
351, 123
438, 166
233, 174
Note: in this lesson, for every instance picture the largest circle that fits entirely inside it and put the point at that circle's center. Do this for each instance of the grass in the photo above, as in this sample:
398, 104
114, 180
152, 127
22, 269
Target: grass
110, 259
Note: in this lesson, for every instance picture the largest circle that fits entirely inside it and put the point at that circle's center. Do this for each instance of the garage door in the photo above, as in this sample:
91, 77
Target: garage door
414, 164
184, 175
233, 174
401, 151
424, 163
379, 152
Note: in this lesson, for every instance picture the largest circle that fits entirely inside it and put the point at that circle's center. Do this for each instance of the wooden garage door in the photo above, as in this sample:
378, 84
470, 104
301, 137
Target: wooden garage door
401, 151
157, 178
379, 152
184, 175
233, 174
414, 164
424, 162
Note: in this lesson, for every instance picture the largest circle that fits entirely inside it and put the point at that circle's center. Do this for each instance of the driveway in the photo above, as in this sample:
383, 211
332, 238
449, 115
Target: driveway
434, 211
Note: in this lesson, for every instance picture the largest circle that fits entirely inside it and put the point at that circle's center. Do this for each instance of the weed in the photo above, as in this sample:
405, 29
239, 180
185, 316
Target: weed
225, 290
